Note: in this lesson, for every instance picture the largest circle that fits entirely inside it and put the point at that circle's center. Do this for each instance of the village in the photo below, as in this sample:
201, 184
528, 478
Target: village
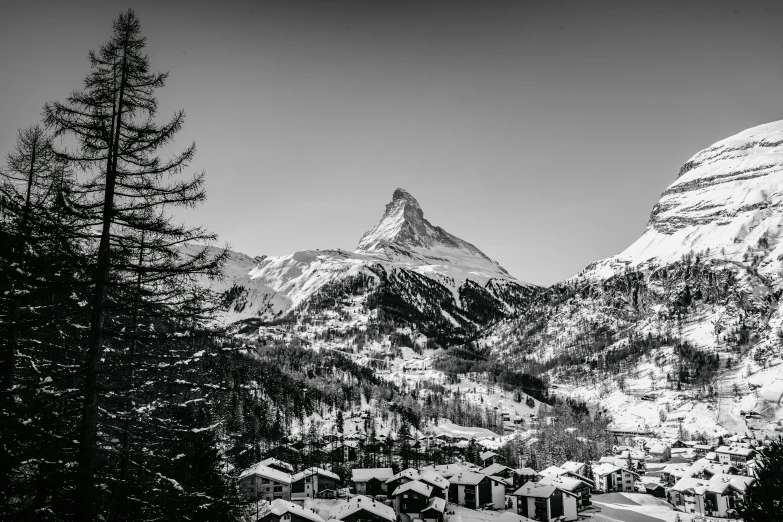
653, 478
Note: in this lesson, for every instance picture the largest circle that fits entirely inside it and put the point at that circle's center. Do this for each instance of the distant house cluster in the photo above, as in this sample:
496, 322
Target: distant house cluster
695, 477
698, 478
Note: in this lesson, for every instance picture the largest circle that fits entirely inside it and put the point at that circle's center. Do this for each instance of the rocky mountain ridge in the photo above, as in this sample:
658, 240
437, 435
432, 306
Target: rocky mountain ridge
405, 268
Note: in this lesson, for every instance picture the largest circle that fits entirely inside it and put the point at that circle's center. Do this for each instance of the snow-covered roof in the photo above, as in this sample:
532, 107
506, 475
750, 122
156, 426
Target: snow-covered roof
535, 489
659, 448
430, 477
563, 483
676, 468
266, 472
416, 486
409, 473
437, 504
738, 482
604, 468
573, 467
484, 455
309, 472
469, 478
735, 450
448, 470
699, 486
280, 507
494, 469
365, 474
706, 465
554, 471
360, 502
271, 461
525, 472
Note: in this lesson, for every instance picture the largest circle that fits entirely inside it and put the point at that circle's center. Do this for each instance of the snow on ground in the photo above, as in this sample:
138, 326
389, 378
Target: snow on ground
463, 514
447, 427
322, 506
635, 507
718, 414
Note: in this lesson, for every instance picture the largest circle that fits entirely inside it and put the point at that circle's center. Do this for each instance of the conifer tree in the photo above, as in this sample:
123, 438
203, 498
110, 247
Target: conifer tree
142, 291
40, 327
763, 497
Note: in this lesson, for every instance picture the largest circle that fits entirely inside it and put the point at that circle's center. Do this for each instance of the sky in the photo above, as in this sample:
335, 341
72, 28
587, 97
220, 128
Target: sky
543, 132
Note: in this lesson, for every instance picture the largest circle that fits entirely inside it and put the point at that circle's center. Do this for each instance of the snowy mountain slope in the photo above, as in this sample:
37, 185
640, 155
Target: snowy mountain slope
689, 312
724, 205
414, 271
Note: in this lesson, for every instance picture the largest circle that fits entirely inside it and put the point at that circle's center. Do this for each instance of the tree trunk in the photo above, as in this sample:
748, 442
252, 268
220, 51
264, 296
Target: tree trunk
85, 475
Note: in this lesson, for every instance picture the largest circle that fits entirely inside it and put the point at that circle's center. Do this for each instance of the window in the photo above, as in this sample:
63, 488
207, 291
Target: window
278, 489
264, 481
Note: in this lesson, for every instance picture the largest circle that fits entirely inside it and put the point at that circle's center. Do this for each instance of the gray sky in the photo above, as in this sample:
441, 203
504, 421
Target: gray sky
541, 131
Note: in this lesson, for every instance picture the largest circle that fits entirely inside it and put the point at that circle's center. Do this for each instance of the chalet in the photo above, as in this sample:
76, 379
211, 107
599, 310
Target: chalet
717, 497
410, 499
279, 465
702, 449
498, 470
433, 511
580, 489
705, 469
622, 461
470, 489
671, 473
655, 489
284, 511
449, 470
542, 502
406, 475
489, 457
609, 478
736, 456
555, 471
314, 483
363, 509
660, 453
499, 486
260, 482
440, 486
351, 447
577, 468
371, 481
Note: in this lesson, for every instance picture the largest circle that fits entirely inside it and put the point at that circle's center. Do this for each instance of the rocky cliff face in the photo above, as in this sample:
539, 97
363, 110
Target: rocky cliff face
725, 205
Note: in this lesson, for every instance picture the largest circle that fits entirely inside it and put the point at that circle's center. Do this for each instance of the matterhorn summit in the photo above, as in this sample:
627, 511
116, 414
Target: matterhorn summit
404, 236
404, 265
404, 228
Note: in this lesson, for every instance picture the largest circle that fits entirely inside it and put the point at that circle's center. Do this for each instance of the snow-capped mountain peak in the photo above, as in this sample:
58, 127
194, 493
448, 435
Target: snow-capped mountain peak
404, 254
404, 231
